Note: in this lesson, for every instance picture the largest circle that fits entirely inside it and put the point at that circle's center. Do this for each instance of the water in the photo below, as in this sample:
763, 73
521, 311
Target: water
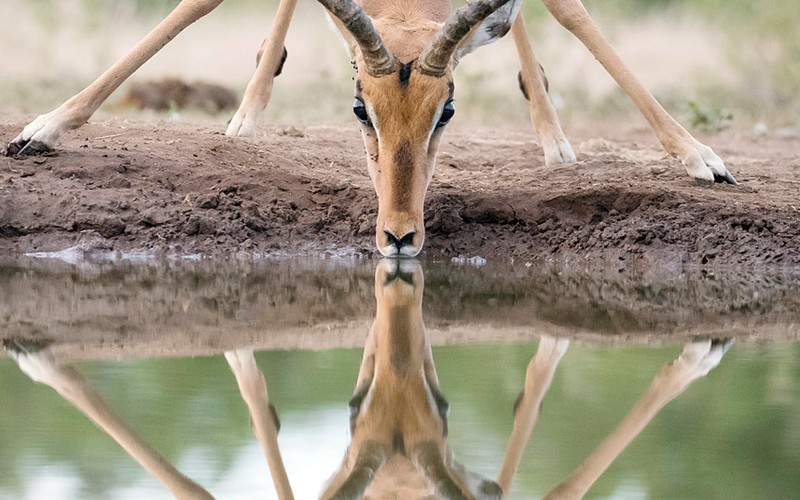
147, 341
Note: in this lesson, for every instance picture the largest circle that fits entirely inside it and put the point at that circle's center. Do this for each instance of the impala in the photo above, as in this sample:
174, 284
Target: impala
404, 52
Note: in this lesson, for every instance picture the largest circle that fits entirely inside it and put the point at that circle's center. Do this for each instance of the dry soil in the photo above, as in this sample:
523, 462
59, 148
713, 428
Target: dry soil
174, 187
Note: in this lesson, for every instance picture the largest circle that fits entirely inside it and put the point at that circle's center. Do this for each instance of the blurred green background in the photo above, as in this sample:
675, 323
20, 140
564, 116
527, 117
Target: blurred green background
733, 434
713, 63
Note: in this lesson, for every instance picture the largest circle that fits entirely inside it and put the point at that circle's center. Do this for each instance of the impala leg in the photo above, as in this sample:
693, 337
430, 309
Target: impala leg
699, 160
253, 387
538, 377
696, 360
41, 367
259, 90
534, 86
42, 133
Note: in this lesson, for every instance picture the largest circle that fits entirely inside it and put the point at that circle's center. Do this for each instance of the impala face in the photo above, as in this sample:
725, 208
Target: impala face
402, 118
405, 53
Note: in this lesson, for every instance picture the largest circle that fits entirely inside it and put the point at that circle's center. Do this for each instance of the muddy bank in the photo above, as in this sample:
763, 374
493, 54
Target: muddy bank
179, 308
171, 187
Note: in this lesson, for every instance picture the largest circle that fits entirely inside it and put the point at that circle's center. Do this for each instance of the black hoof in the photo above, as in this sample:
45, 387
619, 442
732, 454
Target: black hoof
724, 343
27, 148
727, 178
12, 149
24, 345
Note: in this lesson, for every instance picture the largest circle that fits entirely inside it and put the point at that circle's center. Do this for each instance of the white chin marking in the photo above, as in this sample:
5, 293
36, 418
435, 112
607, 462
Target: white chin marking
389, 251
392, 251
409, 251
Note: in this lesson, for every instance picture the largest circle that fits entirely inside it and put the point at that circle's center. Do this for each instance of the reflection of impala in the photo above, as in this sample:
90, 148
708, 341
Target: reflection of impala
398, 416
398, 445
404, 53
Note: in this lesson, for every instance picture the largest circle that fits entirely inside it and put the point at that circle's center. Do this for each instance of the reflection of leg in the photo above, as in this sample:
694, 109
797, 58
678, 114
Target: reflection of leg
259, 90
41, 367
534, 87
696, 360
253, 388
42, 133
537, 381
699, 160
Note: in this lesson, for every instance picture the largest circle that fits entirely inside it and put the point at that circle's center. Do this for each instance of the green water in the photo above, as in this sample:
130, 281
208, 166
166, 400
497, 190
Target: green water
734, 433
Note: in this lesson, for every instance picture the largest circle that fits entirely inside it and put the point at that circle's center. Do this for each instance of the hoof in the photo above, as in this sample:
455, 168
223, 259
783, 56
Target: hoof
725, 178
24, 346
723, 344
27, 148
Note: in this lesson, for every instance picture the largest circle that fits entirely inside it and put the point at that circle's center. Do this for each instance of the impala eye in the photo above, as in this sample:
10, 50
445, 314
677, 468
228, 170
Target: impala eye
447, 112
361, 111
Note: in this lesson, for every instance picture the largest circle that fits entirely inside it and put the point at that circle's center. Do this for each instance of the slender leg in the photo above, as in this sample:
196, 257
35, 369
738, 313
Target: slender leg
696, 360
256, 97
41, 367
253, 387
526, 412
700, 161
43, 132
543, 116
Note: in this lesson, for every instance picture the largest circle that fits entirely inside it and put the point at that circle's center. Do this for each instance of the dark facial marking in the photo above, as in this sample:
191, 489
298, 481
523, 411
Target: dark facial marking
405, 74
403, 163
400, 349
358, 86
442, 407
355, 403
451, 89
398, 443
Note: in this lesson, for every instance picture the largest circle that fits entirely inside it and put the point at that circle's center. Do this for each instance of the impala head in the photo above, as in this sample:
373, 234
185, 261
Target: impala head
405, 57
398, 416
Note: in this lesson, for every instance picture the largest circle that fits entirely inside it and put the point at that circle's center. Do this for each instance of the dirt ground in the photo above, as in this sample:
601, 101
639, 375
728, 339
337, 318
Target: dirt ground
177, 187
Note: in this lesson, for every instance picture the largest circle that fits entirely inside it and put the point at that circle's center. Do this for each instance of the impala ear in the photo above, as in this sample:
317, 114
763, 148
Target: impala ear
493, 28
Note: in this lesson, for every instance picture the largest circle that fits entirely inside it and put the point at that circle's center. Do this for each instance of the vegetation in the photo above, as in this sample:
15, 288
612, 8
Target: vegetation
755, 47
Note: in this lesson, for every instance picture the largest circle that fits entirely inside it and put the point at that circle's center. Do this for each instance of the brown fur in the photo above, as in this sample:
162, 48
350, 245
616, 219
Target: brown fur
405, 157
400, 420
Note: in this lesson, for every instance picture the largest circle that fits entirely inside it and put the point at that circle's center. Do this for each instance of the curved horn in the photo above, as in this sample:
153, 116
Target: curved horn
436, 57
369, 460
377, 58
430, 460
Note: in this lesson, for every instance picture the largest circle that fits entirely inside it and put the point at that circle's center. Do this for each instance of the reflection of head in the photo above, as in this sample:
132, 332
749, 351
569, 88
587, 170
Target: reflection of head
398, 418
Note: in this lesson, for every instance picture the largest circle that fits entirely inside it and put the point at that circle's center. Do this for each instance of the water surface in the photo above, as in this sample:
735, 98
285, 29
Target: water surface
149, 339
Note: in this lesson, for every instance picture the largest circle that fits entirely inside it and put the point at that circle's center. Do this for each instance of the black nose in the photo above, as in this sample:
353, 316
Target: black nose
408, 239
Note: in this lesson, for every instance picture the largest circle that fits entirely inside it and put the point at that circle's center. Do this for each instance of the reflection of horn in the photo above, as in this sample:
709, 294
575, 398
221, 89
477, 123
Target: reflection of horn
429, 458
377, 58
42, 367
264, 418
370, 457
436, 57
